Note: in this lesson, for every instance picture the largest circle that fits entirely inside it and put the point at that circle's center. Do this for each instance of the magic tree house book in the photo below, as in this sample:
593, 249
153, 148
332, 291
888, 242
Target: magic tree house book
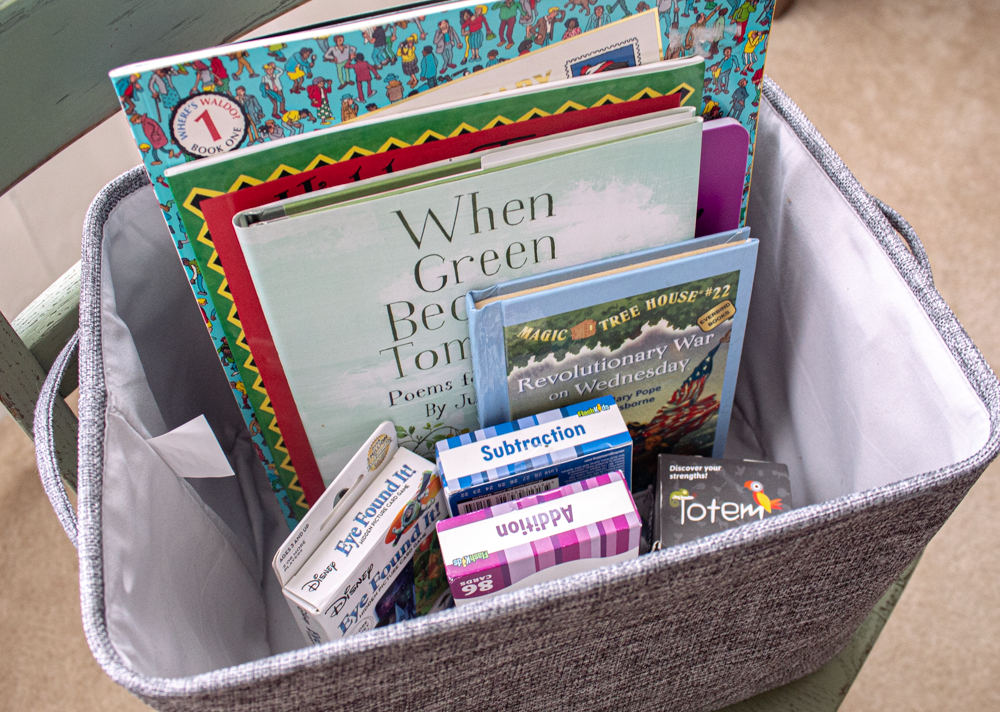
660, 330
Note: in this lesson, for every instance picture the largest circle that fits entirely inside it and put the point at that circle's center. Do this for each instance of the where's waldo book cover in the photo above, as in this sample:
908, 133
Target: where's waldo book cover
269, 90
660, 330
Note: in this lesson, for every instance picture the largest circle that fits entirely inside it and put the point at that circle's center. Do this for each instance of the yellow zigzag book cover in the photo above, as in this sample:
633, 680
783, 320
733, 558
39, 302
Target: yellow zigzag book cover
199, 181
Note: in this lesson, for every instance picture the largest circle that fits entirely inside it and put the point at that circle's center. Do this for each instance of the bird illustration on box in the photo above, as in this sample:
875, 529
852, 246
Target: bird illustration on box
760, 498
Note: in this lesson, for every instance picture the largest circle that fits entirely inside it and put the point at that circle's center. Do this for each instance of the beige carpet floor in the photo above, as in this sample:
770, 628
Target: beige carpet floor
907, 91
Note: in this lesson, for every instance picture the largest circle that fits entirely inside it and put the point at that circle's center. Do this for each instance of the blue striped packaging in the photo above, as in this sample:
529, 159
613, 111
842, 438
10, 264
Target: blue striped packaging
534, 454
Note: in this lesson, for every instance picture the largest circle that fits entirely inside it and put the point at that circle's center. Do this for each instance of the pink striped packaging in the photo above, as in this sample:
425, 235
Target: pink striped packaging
513, 545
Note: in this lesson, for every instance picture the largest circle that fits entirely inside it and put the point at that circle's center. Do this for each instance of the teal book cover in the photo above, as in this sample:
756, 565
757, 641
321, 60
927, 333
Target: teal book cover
661, 331
365, 300
263, 92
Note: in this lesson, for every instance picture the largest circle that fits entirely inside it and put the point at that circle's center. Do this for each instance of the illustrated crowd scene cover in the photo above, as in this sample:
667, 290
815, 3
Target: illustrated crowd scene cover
289, 88
261, 93
662, 355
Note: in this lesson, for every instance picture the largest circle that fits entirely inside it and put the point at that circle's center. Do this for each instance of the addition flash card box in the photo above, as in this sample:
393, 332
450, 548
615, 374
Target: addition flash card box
366, 554
534, 454
698, 496
514, 545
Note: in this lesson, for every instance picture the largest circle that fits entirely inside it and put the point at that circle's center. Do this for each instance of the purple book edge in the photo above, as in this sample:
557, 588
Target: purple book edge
724, 148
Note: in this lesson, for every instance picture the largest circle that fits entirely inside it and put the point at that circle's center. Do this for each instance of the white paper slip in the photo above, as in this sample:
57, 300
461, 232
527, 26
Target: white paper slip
192, 451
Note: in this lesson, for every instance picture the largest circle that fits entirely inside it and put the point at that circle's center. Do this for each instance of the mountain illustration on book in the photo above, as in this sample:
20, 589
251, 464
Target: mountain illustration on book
677, 427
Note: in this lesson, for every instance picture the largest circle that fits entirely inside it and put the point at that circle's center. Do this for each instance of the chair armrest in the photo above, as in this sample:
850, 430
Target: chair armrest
73, 45
47, 324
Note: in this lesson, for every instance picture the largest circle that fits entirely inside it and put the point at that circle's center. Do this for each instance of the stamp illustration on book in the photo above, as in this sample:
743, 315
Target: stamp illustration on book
618, 56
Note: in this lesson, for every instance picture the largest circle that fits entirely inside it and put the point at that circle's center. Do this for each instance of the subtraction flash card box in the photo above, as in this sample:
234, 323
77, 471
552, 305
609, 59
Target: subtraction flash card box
698, 496
517, 544
366, 554
534, 454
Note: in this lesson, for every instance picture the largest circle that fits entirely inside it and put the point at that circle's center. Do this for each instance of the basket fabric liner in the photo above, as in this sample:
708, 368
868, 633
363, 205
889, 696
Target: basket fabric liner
855, 373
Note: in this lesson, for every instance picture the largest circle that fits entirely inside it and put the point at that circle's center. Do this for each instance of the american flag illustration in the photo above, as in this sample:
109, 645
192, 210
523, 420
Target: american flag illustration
691, 389
686, 411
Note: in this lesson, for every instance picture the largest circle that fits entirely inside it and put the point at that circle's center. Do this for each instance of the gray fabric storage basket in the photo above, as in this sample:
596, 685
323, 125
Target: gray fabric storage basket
855, 373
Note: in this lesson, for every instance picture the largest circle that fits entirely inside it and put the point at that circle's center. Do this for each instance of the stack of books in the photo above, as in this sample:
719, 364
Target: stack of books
457, 215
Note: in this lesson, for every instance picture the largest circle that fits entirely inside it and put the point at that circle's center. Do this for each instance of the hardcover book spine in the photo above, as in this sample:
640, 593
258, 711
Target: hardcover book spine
747, 263
489, 364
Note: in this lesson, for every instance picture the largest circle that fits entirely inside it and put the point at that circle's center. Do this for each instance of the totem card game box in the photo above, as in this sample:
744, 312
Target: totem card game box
517, 544
534, 454
698, 496
366, 554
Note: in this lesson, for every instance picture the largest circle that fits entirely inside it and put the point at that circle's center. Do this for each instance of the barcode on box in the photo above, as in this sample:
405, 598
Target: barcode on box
474, 505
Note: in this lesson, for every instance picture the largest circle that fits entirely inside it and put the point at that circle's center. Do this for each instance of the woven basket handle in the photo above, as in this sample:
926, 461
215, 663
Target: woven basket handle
908, 234
45, 449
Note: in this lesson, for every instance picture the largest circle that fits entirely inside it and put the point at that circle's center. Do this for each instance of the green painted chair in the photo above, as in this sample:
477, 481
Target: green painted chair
73, 45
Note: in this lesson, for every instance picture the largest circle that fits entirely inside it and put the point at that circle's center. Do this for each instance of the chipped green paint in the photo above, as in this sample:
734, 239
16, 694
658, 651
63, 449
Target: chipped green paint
50, 321
56, 55
21, 379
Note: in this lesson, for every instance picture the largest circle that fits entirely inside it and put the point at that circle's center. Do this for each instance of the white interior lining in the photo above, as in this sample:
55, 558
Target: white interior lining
188, 586
844, 377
